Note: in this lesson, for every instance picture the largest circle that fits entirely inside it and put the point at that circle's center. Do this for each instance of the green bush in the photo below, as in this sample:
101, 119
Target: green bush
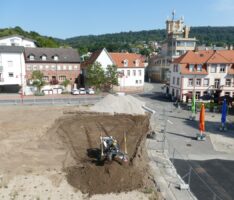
39, 94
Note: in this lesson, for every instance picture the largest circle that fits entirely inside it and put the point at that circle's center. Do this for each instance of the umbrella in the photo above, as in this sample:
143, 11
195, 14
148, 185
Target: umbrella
224, 112
202, 119
193, 104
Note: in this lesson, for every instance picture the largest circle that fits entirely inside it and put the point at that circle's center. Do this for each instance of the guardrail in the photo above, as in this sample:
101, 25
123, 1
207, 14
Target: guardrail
51, 101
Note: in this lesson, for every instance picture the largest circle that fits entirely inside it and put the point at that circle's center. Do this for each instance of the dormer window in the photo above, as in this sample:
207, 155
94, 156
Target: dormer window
125, 62
31, 57
191, 67
55, 57
43, 57
137, 62
199, 68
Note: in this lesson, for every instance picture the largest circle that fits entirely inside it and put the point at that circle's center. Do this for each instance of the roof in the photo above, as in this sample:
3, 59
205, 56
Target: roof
119, 58
92, 59
11, 49
205, 57
20, 36
66, 55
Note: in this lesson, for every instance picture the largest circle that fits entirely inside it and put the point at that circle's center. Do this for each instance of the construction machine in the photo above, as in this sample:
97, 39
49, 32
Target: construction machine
110, 149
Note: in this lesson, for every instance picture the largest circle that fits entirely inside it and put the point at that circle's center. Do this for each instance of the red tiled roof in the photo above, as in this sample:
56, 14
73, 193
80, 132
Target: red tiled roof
119, 58
205, 57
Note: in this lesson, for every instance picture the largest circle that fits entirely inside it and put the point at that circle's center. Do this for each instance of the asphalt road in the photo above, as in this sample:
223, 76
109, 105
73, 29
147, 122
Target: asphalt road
211, 178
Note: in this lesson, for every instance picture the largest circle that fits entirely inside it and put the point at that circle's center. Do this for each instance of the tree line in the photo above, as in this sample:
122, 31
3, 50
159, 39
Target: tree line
139, 41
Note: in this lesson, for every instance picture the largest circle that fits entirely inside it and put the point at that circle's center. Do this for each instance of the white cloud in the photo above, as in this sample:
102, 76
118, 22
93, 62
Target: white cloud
224, 5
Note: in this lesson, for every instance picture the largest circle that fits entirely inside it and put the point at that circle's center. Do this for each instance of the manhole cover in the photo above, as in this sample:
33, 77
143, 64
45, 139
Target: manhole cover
188, 145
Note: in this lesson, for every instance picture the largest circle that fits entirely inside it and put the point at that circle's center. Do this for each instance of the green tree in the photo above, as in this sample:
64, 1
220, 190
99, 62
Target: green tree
111, 76
96, 75
37, 77
65, 83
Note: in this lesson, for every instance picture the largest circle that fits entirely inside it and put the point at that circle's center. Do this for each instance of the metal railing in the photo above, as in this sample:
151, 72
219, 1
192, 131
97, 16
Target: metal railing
50, 101
189, 173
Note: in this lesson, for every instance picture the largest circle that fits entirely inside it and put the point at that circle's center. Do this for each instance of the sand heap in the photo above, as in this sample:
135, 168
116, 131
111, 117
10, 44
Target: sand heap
119, 104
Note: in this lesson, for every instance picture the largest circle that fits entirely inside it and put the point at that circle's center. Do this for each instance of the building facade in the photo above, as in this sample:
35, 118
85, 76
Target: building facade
177, 43
17, 40
205, 72
57, 64
12, 68
130, 67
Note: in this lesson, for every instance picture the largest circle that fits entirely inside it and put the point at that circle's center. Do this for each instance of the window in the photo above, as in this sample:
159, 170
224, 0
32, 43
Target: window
75, 67
45, 78
136, 81
222, 68
64, 67
191, 68
198, 82
41, 67
128, 72
190, 82
29, 67
52, 67
31, 57
173, 80
43, 57
139, 72
10, 63
206, 82
199, 68
228, 82
217, 83
125, 63
55, 58
58, 67
47, 67
178, 81
11, 74
140, 81
137, 63
70, 67
227, 93
62, 78
34, 67
198, 94
134, 72
213, 68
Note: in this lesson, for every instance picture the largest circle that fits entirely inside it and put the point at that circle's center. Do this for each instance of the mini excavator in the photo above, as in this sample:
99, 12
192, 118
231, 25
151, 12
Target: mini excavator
110, 149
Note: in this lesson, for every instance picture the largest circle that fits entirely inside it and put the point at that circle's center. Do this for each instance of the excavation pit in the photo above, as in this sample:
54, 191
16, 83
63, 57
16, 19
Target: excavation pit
80, 134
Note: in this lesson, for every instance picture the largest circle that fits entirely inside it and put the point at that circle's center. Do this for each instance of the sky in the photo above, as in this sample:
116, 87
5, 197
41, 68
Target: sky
69, 18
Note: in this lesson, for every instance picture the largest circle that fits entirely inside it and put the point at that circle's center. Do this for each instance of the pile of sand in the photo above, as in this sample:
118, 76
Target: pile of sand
119, 104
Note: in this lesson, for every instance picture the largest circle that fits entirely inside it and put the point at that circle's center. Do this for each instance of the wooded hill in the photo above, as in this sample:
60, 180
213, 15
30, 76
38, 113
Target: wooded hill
128, 41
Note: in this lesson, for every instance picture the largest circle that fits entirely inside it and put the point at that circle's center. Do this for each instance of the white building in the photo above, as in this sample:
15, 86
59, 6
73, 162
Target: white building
17, 40
12, 68
203, 72
129, 65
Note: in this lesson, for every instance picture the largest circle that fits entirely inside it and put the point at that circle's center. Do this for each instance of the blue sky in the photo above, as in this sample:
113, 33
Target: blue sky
69, 18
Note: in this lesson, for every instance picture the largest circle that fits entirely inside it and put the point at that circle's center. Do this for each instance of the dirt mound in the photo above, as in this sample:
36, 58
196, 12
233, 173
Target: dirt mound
80, 134
120, 104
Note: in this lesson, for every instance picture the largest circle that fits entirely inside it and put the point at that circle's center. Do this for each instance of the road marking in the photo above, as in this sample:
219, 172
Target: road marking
170, 121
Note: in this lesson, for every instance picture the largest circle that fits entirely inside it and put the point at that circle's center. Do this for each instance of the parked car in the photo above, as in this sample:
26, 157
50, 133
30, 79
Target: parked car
82, 91
75, 91
90, 91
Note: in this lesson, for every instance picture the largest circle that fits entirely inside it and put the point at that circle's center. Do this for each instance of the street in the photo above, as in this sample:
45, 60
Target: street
206, 165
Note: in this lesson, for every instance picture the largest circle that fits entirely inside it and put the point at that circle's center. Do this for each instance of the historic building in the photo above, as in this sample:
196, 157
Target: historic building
131, 68
203, 72
177, 43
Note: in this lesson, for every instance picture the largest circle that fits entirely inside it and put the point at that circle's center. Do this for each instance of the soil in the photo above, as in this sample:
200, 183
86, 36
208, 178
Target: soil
81, 135
49, 152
